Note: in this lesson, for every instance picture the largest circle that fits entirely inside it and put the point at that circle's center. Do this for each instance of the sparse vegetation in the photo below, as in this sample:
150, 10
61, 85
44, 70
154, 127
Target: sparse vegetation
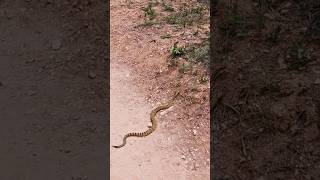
204, 79
194, 87
186, 15
263, 63
149, 16
298, 55
167, 7
129, 2
149, 13
165, 36
199, 52
184, 67
176, 50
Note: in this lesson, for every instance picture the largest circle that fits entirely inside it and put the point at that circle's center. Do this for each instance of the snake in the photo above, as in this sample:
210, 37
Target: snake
153, 121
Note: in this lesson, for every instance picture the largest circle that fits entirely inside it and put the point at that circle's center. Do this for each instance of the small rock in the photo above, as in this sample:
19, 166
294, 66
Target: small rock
282, 63
266, 51
56, 44
31, 93
9, 15
279, 110
76, 117
1, 84
242, 159
80, 178
287, 5
308, 177
270, 16
149, 125
283, 11
262, 178
194, 132
92, 75
183, 157
30, 61
317, 81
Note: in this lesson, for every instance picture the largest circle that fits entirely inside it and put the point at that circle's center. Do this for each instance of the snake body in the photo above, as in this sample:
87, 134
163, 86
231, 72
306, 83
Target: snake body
153, 121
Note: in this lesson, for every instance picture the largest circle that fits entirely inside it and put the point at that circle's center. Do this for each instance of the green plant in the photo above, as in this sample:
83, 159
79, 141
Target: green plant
177, 51
167, 7
204, 79
149, 12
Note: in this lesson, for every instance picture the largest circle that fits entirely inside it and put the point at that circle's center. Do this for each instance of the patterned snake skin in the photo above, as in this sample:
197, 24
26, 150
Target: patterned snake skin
153, 121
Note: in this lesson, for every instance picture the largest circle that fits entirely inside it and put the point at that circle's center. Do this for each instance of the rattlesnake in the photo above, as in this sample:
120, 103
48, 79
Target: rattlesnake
153, 121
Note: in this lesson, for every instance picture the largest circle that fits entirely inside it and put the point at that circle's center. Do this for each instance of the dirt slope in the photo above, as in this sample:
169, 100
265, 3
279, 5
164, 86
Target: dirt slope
140, 81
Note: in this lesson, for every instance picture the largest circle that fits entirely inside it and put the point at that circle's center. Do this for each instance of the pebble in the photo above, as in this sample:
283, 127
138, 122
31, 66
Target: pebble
31, 93
76, 117
56, 44
9, 15
92, 75
30, 61
288, 5
317, 81
194, 132
262, 178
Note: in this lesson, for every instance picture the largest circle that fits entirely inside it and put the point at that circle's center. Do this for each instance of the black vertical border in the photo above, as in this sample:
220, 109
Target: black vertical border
213, 20
107, 59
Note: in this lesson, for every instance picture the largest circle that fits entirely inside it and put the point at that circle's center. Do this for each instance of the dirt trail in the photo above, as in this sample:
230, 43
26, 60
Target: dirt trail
142, 158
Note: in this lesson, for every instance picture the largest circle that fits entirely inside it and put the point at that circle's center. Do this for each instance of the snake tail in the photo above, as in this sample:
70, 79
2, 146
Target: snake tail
142, 134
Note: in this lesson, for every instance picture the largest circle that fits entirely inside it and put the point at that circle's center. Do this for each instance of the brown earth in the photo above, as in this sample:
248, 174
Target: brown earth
265, 90
52, 90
